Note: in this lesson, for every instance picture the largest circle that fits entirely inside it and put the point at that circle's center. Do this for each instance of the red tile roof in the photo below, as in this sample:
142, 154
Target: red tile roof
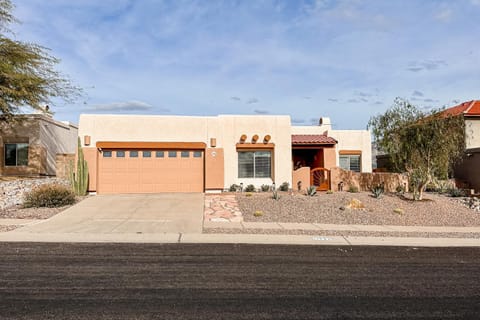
469, 108
316, 139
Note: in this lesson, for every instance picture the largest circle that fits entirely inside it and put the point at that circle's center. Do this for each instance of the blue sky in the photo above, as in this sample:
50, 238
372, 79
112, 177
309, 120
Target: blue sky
347, 60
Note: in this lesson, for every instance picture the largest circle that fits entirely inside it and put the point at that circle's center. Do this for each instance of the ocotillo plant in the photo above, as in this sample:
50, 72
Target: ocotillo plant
79, 178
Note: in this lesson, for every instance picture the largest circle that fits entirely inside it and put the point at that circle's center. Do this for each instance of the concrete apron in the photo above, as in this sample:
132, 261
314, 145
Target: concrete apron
127, 214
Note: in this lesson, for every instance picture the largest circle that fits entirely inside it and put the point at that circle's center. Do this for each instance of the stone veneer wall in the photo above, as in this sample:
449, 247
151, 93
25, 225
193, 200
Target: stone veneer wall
365, 181
63, 161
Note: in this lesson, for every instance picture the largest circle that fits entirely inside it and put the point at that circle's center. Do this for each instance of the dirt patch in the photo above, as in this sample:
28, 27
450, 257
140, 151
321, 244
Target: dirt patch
437, 210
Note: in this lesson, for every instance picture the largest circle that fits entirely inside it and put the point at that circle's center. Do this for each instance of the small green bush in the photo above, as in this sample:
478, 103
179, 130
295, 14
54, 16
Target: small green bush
275, 195
284, 186
250, 188
353, 189
248, 194
311, 191
265, 187
400, 189
329, 192
454, 192
50, 196
234, 188
377, 191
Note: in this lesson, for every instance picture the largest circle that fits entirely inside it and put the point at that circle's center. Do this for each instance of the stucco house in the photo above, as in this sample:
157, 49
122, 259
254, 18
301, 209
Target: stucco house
149, 154
468, 169
30, 144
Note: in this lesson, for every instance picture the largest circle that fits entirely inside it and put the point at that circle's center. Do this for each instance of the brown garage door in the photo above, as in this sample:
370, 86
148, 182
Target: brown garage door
150, 171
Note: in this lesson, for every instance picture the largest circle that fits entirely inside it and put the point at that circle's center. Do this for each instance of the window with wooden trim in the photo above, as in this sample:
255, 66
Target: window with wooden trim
350, 162
255, 164
16, 154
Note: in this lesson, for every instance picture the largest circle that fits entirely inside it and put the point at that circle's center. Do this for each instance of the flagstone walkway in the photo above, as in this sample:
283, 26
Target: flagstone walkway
222, 208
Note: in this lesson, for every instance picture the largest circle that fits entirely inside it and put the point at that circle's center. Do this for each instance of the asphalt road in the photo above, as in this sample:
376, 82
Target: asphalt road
150, 281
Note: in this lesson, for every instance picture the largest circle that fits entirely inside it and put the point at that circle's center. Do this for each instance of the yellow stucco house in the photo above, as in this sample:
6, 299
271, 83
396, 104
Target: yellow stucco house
149, 154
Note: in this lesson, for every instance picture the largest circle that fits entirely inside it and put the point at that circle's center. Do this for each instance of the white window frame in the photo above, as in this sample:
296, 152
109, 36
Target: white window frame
348, 156
254, 163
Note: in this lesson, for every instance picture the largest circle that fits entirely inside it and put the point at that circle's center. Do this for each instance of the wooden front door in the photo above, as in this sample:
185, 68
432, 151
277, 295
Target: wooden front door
320, 177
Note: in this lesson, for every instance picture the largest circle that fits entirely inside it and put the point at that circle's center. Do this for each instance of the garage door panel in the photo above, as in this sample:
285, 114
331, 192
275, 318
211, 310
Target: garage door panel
152, 174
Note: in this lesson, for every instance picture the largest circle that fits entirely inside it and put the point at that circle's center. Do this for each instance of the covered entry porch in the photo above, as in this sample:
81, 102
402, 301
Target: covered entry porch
313, 156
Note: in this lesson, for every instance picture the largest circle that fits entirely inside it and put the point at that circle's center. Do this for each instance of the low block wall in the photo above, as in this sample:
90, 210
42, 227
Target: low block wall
301, 175
365, 181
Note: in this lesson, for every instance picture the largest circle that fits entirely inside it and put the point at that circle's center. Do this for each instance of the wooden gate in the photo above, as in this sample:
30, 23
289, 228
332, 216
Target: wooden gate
320, 177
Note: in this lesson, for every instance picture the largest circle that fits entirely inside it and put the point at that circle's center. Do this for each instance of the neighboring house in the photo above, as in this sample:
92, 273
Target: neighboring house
30, 143
468, 170
148, 154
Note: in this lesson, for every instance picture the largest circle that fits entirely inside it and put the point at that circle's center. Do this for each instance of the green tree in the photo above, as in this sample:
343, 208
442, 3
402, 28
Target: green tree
424, 145
28, 77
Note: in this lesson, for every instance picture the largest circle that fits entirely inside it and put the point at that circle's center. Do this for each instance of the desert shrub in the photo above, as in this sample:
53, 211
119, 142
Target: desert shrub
265, 187
329, 192
248, 194
258, 213
284, 186
377, 191
49, 195
250, 188
399, 211
454, 192
311, 191
400, 189
353, 189
234, 188
275, 195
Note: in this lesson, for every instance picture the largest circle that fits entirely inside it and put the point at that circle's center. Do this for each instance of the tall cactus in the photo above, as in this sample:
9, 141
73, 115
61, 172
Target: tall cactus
79, 179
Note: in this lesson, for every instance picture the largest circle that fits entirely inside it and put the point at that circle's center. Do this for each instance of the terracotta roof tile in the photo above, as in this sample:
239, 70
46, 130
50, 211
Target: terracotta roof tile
300, 139
469, 108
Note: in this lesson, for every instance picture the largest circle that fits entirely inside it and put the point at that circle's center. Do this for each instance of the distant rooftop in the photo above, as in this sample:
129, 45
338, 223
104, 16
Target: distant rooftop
469, 108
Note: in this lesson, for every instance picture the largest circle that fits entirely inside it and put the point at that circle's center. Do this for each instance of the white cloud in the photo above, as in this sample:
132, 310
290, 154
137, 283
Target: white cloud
444, 15
121, 106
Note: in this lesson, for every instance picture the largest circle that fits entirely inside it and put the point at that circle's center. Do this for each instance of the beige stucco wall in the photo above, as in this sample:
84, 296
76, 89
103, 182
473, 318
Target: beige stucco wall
472, 133
278, 127
226, 129
355, 140
57, 138
347, 140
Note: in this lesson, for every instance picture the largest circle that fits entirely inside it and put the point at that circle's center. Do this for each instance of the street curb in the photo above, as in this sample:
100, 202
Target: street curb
237, 239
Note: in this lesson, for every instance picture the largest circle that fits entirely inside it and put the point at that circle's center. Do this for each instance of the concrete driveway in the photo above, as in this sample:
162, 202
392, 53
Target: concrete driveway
128, 213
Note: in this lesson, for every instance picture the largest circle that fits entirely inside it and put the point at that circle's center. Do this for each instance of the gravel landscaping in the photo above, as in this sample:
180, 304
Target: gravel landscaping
17, 212
470, 235
8, 228
390, 209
